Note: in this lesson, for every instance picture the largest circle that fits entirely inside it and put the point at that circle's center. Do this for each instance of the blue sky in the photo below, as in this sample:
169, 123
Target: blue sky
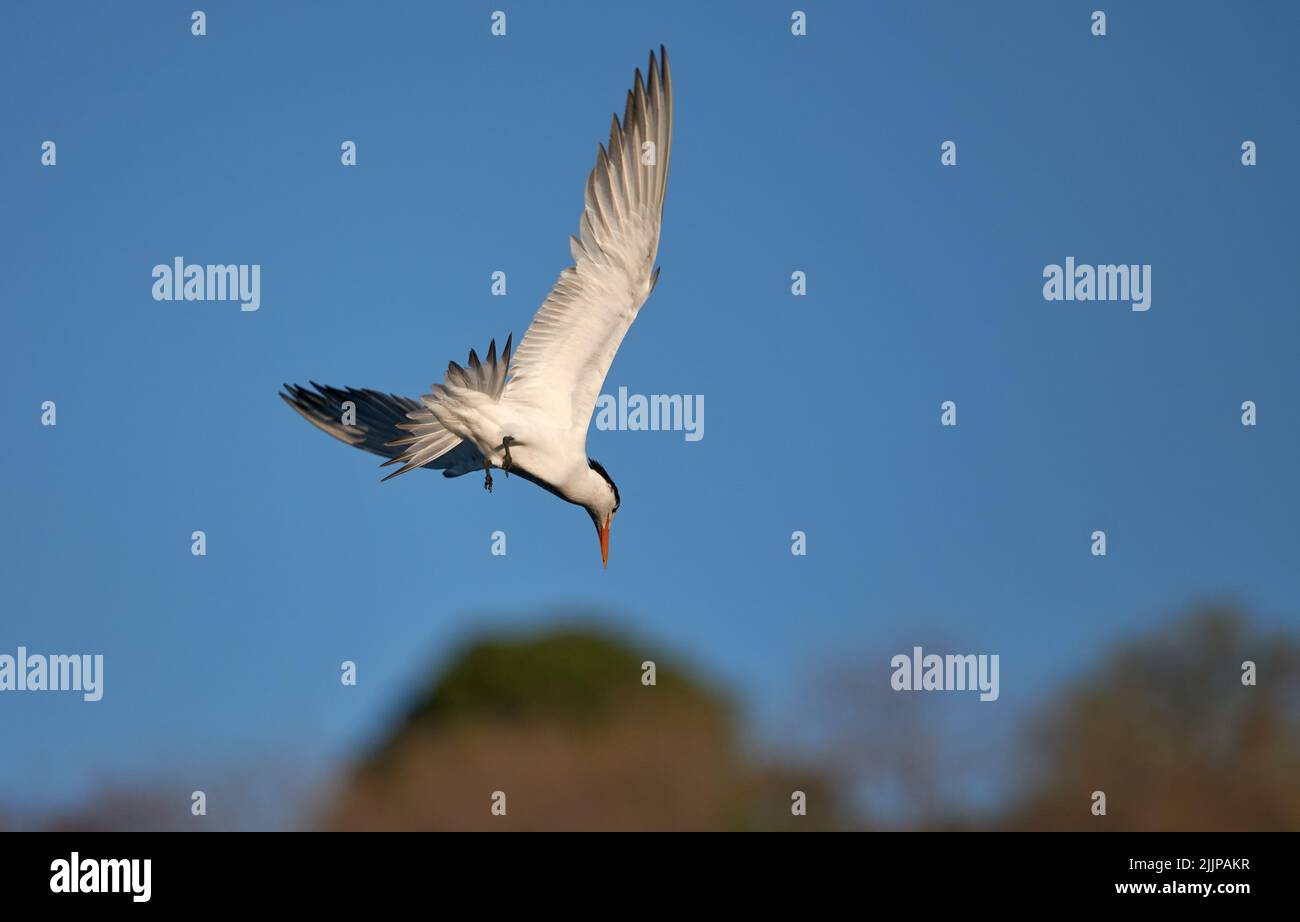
818, 153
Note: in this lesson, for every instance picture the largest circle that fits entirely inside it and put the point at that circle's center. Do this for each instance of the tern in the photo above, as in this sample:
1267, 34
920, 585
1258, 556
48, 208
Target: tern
528, 414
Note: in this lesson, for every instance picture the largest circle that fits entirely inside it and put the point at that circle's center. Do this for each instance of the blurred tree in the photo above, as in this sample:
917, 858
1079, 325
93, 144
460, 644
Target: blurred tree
572, 676
1167, 729
562, 724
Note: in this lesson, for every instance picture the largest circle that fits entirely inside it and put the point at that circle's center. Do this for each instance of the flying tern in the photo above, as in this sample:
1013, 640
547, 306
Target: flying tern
528, 414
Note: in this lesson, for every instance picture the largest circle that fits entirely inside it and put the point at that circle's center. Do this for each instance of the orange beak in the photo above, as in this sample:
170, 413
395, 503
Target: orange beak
604, 543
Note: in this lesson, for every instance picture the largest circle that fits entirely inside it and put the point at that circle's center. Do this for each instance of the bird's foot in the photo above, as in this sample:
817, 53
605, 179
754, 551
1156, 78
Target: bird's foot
487, 471
506, 462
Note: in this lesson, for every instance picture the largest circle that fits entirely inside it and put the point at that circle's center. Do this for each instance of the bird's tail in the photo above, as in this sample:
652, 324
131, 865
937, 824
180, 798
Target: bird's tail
429, 437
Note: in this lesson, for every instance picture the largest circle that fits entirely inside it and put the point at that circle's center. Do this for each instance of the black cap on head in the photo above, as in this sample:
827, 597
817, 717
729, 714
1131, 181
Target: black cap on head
596, 466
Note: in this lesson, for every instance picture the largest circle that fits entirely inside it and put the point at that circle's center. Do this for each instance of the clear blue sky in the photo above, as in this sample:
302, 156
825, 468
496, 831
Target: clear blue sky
819, 154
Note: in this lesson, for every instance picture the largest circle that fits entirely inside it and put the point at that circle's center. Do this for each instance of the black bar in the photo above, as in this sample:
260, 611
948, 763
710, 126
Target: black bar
328, 871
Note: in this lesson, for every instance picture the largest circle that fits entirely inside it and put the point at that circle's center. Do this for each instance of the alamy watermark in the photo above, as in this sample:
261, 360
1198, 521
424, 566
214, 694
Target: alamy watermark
56, 672
194, 282
953, 672
654, 413
1083, 282
75, 874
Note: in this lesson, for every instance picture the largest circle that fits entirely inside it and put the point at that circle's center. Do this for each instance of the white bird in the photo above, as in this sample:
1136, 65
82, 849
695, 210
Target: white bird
530, 416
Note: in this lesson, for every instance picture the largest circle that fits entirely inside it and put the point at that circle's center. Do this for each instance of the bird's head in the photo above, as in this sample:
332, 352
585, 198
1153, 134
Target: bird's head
602, 507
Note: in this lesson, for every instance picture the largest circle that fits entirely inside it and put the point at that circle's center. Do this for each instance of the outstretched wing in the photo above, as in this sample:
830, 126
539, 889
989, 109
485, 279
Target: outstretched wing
373, 423
566, 353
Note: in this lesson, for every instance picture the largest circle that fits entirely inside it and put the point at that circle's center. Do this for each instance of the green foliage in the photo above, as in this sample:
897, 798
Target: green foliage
574, 676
